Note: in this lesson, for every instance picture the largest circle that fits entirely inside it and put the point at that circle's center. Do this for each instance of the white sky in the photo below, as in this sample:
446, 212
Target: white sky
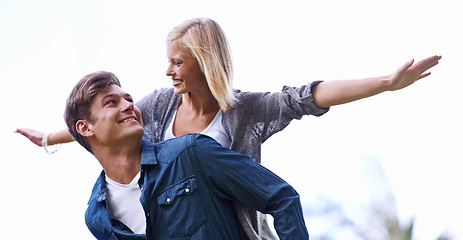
47, 46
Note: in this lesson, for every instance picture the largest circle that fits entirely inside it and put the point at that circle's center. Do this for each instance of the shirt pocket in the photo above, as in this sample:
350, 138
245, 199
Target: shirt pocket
182, 208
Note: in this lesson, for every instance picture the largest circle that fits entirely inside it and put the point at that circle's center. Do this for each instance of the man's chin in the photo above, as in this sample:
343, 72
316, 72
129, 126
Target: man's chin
133, 133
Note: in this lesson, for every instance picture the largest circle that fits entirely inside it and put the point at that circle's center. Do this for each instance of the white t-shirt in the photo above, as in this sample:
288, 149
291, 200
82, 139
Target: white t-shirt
215, 130
124, 204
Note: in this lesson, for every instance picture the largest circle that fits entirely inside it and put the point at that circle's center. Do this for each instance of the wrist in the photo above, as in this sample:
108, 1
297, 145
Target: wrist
50, 139
45, 143
385, 83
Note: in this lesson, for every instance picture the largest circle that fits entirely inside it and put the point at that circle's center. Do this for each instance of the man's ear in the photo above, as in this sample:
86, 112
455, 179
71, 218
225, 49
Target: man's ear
84, 128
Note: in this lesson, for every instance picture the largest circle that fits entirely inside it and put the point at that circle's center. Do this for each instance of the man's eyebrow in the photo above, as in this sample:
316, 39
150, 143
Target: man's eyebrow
126, 95
107, 96
112, 95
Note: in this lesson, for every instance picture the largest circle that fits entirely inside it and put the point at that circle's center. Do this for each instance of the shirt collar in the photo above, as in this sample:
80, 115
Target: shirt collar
148, 157
98, 192
148, 154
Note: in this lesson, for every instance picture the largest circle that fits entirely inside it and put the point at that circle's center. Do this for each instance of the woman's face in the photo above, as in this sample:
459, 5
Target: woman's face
184, 70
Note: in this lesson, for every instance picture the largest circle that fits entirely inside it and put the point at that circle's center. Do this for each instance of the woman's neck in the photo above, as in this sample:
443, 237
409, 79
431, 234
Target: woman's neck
201, 104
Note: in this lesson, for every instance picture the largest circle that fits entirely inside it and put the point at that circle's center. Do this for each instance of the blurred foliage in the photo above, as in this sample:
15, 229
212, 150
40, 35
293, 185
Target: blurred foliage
378, 221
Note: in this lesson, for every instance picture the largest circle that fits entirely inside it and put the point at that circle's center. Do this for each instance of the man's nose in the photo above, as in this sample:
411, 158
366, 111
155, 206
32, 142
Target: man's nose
128, 106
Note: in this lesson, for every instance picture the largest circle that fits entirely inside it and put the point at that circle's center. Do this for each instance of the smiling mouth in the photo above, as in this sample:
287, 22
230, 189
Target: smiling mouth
128, 120
177, 81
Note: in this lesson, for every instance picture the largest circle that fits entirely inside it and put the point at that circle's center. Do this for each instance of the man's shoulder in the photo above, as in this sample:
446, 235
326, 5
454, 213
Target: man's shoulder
169, 150
172, 148
187, 140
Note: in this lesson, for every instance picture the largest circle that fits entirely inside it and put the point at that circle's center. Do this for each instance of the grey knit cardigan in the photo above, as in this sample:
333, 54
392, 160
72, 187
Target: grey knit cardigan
256, 117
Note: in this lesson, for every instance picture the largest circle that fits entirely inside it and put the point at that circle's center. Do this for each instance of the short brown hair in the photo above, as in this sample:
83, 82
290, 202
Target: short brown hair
80, 100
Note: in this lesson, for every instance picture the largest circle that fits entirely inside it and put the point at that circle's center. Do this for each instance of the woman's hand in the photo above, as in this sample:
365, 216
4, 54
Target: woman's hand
36, 137
33, 135
410, 72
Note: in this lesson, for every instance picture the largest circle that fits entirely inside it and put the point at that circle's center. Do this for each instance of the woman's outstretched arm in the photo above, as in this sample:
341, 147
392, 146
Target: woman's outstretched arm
36, 137
338, 92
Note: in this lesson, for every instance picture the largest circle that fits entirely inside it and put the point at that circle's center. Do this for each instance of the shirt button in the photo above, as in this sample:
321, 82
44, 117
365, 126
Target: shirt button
147, 214
187, 190
141, 189
168, 200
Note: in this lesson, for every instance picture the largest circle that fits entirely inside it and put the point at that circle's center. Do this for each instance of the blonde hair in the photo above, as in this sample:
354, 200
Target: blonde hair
209, 46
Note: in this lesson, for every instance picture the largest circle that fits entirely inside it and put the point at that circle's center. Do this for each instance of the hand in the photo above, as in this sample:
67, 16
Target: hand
33, 135
410, 72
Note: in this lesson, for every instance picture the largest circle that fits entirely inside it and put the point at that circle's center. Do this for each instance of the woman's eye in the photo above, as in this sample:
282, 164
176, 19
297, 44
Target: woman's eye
177, 63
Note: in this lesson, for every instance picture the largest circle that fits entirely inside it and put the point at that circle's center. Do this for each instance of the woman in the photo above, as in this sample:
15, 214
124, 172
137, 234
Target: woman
202, 101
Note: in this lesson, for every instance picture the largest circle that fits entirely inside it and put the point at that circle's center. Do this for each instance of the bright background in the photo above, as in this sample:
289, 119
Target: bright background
415, 134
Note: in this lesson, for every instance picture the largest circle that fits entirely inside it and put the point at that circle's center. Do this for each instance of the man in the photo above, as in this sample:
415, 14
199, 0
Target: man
187, 186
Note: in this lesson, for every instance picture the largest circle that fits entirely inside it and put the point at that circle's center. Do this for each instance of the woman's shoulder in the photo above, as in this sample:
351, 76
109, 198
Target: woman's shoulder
160, 99
252, 99
246, 102
247, 95
162, 92
157, 94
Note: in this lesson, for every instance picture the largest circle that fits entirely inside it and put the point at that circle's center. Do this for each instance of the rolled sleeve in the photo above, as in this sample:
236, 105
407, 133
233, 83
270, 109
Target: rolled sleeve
302, 97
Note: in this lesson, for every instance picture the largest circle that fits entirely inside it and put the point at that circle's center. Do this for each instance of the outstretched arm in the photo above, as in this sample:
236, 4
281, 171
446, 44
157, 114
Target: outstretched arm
35, 136
338, 92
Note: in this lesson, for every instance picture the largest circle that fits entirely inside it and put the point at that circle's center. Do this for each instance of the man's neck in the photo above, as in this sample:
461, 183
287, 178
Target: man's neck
121, 163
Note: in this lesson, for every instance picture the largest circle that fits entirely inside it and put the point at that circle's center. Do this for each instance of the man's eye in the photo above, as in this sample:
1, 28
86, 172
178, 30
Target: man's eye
110, 102
177, 63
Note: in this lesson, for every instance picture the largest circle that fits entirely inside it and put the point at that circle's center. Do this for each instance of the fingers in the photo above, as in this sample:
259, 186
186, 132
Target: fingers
427, 63
424, 75
419, 68
21, 131
406, 66
33, 136
410, 72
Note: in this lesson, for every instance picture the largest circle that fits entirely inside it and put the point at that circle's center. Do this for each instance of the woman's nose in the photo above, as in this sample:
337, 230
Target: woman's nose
169, 71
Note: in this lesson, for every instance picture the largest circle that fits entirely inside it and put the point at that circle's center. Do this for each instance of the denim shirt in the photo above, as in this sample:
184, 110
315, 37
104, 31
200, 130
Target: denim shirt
188, 188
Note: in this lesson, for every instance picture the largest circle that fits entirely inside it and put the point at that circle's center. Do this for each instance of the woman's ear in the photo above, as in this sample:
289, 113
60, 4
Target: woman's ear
84, 128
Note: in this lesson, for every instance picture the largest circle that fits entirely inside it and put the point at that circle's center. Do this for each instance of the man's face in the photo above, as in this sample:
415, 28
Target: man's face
115, 117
